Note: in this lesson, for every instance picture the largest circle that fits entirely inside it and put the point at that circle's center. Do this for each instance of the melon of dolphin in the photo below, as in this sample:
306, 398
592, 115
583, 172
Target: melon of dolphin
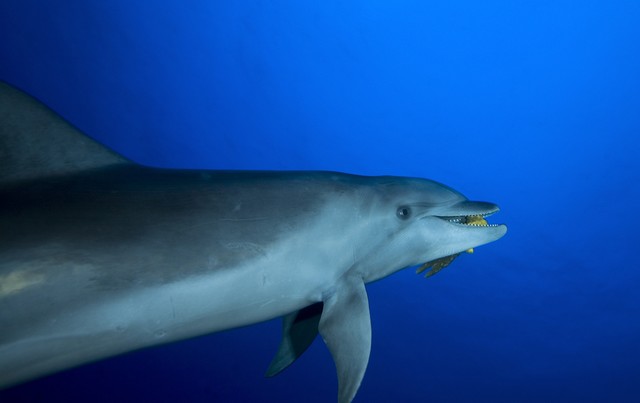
100, 256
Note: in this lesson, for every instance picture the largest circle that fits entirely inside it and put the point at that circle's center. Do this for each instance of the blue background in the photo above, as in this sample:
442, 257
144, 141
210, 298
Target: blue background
534, 105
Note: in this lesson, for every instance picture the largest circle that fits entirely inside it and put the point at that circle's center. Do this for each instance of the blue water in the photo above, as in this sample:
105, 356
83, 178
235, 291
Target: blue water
533, 105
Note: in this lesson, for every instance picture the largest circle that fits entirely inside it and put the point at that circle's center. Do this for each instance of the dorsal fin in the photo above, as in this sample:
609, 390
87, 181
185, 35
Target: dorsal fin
36, 142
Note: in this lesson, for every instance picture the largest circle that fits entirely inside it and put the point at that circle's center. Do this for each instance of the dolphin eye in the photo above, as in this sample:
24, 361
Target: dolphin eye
403, 212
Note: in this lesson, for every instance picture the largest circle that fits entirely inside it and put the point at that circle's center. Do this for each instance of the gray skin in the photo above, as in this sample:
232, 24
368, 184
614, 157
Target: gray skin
100, 256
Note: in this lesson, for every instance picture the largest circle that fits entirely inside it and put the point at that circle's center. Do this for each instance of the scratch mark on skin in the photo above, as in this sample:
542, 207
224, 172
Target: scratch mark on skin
17, 281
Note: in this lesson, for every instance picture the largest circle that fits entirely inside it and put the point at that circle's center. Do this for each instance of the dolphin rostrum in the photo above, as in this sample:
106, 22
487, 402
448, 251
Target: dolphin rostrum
100, 256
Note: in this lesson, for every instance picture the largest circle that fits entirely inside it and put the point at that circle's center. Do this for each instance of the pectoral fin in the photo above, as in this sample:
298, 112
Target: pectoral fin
345, 327
299, 329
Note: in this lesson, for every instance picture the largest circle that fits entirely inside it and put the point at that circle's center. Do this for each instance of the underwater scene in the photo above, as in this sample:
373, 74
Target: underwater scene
158, 272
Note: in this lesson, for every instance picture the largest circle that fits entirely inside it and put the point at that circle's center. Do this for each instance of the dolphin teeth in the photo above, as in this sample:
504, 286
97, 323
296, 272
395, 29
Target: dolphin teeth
471, 220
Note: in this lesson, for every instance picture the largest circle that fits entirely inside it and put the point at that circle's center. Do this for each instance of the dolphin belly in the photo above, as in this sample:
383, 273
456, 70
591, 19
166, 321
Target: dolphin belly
91, 326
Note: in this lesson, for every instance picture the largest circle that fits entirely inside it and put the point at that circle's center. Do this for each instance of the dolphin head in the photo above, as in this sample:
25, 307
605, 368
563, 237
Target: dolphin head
426, 221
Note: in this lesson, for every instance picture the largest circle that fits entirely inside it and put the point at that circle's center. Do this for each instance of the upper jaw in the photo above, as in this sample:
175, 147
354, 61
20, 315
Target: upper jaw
466, 208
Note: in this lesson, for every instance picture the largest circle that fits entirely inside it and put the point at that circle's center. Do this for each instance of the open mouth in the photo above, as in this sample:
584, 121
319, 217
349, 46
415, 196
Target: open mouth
471, 220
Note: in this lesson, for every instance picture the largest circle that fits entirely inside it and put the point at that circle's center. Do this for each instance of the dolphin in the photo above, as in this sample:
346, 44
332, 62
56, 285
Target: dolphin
100, 256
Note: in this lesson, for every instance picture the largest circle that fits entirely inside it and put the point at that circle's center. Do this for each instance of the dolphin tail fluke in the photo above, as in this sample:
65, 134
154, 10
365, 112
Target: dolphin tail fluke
299, 329
345, 326
37, 142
